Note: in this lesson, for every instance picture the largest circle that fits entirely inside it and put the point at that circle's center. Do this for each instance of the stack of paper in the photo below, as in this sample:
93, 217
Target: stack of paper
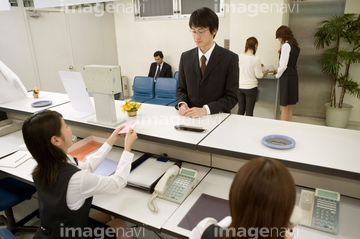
145, 174
15, 159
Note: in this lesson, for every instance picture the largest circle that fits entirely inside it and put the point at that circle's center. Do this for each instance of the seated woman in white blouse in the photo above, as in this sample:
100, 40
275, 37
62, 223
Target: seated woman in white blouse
262, 198
65, 189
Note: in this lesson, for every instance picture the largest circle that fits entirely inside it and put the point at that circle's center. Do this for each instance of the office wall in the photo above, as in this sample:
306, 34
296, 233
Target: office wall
137, 41
15, 46
260, 19
35, 50
353, 6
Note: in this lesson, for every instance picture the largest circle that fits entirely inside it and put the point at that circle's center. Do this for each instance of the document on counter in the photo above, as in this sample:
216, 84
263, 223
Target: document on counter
106, 168
76, 90
269, 68
14, 160
7, 148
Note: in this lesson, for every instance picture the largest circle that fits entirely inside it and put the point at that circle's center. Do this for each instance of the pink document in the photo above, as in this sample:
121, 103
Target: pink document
128, 126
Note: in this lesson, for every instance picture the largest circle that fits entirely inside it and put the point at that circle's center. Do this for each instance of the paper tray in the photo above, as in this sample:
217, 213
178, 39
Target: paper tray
82, 143
134, 164
142, 159
101, 141
9, 125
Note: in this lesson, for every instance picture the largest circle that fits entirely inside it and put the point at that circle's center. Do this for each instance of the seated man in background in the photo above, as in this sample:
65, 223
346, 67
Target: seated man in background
159, 68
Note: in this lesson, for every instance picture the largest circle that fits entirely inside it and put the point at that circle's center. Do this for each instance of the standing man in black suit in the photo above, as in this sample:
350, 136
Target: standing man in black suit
159, 68
208, 74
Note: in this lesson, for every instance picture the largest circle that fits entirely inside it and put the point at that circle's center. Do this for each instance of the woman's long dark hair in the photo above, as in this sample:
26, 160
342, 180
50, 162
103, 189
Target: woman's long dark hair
37, 131
262, 195
286, 34
251, 42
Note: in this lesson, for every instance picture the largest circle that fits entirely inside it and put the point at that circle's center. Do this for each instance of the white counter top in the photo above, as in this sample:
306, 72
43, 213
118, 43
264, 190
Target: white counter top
318, 148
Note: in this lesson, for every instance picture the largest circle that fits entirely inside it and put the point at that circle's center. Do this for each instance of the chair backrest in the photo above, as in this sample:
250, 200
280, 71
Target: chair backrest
176, 75
165, 88
144, 86
6, 234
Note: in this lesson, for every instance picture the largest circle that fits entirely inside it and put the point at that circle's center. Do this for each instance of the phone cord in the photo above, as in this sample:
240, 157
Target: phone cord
151, 204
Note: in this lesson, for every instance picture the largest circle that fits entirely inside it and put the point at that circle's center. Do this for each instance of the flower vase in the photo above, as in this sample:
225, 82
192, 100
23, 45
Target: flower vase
36, 96
132, 113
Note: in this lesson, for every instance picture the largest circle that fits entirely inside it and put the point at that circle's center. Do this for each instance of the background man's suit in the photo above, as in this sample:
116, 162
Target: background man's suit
165, 70
219, 86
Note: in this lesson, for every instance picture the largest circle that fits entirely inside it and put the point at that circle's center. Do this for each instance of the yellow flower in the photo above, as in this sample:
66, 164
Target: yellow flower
129, 106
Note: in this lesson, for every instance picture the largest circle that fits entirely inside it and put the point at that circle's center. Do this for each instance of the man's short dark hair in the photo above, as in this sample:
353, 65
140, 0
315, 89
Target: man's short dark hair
159, 53
205, 18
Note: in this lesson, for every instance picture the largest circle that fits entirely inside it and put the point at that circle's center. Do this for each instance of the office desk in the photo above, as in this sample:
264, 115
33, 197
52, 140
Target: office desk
155, 129
320, 151
24, 107
131, 204
24, 170
269, 91
154, 123
217, 183
10, 143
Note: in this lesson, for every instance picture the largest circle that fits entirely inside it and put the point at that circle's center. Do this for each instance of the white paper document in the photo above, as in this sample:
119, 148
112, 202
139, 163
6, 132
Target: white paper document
15, 159
106, 168
269, 68
148, 172
76, 90
7, 148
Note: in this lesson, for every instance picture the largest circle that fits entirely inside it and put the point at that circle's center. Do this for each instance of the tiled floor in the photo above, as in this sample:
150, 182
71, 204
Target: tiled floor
28, 206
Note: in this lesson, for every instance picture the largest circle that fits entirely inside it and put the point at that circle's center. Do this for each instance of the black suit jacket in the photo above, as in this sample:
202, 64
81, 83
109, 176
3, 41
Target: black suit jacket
217, 89
165, 70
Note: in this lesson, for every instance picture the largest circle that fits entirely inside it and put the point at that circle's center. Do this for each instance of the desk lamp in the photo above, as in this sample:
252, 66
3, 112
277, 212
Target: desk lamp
104, 81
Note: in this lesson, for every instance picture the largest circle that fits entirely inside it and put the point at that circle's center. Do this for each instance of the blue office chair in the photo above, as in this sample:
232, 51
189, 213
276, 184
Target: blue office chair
6, 234
176, 75
143, 88
165, 91
172, 103
13, 192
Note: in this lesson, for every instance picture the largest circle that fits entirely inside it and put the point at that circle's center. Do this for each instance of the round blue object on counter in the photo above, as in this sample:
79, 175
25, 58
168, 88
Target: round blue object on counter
277, 141
41, 103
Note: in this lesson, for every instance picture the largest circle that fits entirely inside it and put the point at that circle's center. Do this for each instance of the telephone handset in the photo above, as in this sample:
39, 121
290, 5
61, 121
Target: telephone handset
165, 180
320, 210
296, 216
175, 185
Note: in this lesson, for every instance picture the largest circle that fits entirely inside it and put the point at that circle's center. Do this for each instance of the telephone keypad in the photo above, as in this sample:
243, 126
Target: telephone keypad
325, 215
178, 187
